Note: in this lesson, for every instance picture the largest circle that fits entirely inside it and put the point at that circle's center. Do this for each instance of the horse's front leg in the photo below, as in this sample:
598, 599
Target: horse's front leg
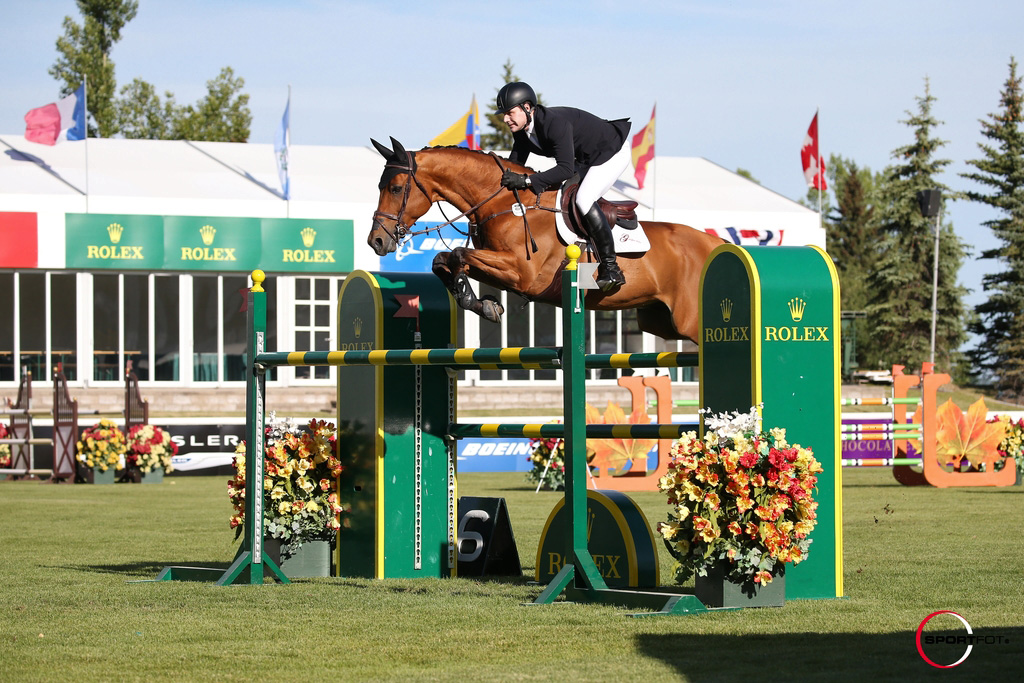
487, 266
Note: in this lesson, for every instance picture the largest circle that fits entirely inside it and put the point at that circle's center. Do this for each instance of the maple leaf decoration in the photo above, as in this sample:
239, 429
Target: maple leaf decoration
968, 436
614, 454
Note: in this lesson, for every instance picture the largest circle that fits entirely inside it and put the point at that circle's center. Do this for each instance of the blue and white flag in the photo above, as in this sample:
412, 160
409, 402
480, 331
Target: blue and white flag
281, 143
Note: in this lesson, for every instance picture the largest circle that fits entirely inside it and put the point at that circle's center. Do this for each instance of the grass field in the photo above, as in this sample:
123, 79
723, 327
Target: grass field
70, 613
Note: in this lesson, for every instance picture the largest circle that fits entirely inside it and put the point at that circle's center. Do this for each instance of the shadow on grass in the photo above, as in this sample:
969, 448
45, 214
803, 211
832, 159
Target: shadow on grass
143, 569
833, 656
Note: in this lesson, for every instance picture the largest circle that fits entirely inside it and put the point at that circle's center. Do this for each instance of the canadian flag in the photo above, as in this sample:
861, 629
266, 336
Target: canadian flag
814, 165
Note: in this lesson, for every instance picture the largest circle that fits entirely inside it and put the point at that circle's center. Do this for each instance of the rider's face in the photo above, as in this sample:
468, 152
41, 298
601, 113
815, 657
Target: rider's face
516, 119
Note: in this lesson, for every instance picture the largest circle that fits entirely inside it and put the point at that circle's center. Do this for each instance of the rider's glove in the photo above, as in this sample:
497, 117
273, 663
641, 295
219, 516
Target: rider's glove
513, 180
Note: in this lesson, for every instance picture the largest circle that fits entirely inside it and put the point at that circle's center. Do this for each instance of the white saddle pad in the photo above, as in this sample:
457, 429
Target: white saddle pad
626, 241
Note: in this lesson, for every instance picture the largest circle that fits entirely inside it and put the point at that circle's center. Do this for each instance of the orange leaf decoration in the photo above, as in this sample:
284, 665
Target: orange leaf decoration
614, 454
968, 436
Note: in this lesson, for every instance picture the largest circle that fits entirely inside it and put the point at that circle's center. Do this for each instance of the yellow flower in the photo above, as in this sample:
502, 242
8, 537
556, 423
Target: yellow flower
284, 507
277, 493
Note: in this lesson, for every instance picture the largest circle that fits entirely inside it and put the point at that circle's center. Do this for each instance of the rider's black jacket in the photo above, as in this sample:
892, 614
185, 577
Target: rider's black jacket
575, 138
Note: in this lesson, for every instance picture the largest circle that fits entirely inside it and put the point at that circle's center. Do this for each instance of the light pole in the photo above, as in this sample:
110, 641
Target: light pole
930, 202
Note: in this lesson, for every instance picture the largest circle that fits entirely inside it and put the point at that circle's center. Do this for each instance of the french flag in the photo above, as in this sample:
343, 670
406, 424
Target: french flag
61, 120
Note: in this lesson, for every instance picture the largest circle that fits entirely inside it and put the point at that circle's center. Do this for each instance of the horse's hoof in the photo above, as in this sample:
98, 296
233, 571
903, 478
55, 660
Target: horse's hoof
490, 309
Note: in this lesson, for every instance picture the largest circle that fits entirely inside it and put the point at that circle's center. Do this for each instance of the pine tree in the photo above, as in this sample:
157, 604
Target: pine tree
900, 283
851, 233
501, 138
1000, 324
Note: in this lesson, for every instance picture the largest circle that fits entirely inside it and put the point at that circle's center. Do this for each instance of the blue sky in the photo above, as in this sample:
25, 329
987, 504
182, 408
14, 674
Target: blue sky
735, 82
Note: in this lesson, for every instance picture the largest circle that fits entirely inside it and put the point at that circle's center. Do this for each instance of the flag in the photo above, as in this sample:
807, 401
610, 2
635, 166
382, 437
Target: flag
643, 150
61, 120
814, 165
281, 143
463, 133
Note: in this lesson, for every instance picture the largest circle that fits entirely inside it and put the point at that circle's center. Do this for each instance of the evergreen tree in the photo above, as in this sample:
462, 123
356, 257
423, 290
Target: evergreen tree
501, 138
901, 280
1000, 324
851, 232
85, 53
851, 229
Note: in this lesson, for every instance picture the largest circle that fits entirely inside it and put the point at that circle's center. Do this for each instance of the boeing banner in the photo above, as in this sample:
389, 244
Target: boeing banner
416, 254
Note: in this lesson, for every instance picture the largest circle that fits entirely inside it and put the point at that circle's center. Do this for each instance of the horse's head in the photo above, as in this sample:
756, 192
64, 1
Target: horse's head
399, 205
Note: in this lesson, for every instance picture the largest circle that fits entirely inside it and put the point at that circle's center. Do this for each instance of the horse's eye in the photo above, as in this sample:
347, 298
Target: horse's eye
396, 189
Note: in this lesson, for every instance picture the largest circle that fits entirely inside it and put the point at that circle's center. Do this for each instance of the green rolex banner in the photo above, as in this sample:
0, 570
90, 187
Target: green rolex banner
292, 244
211, 243
116, 241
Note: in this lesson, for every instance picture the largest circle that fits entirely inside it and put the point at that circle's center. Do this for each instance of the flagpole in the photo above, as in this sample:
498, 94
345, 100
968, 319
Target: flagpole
654, 160
288, 145
821, 170
85, 96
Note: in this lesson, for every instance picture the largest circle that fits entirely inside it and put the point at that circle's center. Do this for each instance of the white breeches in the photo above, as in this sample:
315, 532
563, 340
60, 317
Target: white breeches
599, 179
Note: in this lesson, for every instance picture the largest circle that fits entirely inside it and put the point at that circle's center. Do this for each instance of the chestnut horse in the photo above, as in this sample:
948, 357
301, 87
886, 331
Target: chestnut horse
662, 284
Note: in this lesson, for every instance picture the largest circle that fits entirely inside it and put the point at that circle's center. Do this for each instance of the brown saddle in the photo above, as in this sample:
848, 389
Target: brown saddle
622, 214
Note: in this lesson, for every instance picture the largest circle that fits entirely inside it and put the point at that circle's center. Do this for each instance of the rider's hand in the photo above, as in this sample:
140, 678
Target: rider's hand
513, 180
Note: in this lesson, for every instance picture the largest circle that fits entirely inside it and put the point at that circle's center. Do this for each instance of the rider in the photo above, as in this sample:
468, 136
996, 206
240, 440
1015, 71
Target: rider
580, 143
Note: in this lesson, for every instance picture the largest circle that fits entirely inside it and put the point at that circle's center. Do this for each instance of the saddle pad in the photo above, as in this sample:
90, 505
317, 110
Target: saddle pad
626, 241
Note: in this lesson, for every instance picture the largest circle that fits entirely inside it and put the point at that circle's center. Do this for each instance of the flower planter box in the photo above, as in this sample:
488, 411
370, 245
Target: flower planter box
135, 475
313, 558
715, 590
93, 475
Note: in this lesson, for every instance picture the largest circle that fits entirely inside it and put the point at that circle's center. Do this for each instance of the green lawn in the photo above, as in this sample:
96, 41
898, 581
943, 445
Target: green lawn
70, 613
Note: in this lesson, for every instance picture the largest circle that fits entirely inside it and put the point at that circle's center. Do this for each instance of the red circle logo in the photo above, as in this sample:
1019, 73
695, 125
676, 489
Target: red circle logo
920, 650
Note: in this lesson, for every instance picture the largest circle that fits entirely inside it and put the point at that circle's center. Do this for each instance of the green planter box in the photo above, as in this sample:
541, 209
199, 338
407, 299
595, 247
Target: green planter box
93, 475
714, 590
313, 559
134, 475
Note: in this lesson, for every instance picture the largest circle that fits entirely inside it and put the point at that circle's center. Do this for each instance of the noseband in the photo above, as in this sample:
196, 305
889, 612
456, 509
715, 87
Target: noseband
409, 168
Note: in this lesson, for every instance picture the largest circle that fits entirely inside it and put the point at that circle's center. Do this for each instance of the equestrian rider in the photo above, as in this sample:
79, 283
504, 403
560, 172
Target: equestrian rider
580, 143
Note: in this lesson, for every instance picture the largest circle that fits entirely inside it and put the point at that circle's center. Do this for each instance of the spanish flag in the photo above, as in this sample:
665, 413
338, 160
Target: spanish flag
463, 133
643, 150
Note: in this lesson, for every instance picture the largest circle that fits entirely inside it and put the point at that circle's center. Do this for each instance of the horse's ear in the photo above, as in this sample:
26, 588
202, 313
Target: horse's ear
399, 149
384, 151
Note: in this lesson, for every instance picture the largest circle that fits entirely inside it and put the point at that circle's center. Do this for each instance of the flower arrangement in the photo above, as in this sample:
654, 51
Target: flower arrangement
1012, 445
101, 446
548, 459
148, 447
5, 450
740, 496
300, 484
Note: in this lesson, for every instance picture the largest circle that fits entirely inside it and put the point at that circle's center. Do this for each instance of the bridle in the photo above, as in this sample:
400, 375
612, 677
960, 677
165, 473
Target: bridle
401, 230
409, 168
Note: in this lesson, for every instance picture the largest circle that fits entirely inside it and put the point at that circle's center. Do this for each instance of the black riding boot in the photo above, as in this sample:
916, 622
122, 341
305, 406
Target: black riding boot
609, 276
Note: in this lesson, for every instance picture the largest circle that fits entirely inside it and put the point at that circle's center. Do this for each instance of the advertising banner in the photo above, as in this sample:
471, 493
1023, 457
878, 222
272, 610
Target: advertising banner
211, 243
319, 246
416, 254
18, 240
116, 241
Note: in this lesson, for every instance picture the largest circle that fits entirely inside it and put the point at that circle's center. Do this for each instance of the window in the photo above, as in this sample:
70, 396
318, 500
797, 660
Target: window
166, 328
315, 298
7, 370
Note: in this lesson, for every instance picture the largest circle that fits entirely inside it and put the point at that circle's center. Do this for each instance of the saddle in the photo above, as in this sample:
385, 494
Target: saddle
622, 214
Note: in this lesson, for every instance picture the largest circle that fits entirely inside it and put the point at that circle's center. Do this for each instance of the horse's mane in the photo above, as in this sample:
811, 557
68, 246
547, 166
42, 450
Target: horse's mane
466, 150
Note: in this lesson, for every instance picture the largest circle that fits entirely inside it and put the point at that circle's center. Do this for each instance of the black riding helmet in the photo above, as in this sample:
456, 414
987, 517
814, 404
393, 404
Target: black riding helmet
514, 94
